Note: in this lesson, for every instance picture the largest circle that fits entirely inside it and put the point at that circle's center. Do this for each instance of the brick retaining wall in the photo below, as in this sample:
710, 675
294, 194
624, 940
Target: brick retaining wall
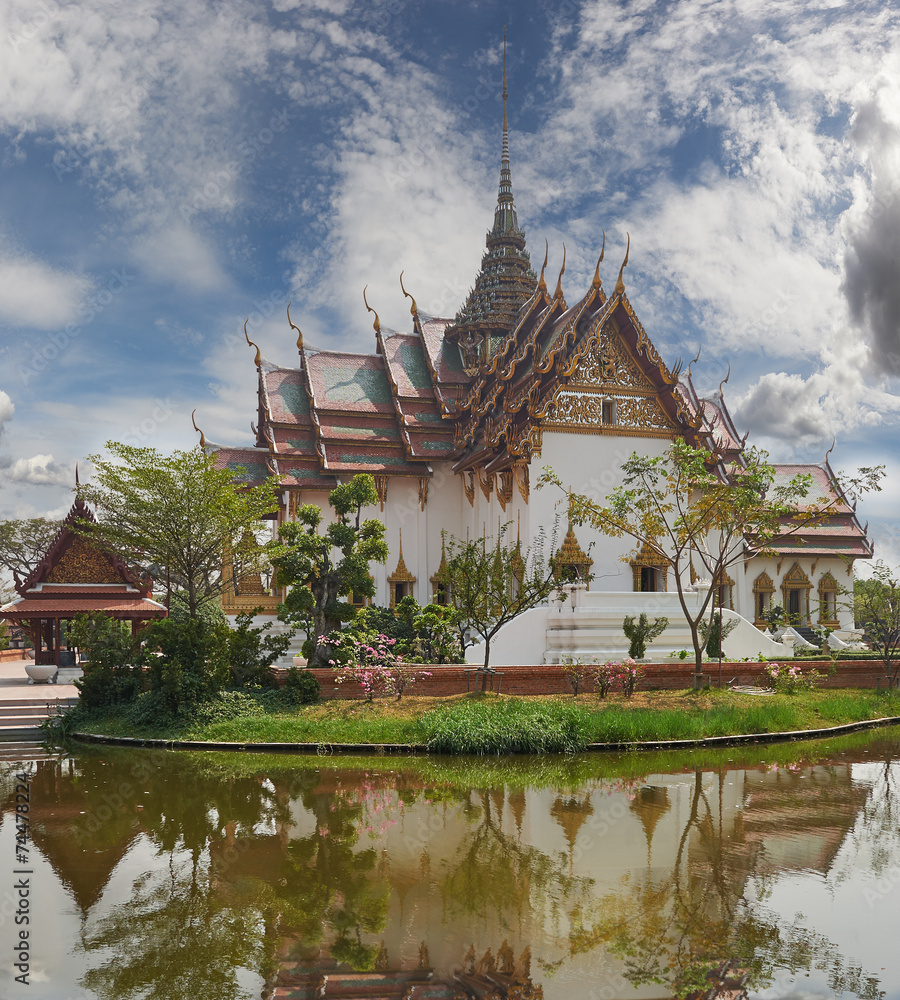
451, 679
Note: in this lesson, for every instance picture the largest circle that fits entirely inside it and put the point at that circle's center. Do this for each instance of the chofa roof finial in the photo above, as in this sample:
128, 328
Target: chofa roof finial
377, 324
258, 359
297, 328
620, 284
558, 294
197, 429
596, 282
413, 309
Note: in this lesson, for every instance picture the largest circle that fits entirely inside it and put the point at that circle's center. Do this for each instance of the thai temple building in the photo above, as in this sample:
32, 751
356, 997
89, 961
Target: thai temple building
457, 417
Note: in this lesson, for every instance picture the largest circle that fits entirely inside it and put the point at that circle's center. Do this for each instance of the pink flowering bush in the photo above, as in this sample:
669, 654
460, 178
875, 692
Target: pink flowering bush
789, 678
371, 664
624, 675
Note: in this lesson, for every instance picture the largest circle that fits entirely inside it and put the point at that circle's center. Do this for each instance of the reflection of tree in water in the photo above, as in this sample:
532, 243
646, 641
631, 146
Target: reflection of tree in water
233, 892
493, 873
675, 931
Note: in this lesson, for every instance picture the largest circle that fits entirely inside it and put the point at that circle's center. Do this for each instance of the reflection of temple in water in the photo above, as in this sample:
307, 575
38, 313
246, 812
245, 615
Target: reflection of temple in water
354, 868
487, 978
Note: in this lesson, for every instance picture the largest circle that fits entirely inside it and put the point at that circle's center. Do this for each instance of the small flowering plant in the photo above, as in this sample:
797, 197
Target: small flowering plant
789, 678
576, 672
624, 675
371, 663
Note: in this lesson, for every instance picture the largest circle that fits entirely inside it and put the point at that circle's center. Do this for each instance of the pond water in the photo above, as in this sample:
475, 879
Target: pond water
210, 876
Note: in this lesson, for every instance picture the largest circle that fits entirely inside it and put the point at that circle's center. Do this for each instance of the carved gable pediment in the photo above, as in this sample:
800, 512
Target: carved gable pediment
609, 365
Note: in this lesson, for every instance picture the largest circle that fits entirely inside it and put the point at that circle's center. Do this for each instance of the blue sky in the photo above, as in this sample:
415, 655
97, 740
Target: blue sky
170, 169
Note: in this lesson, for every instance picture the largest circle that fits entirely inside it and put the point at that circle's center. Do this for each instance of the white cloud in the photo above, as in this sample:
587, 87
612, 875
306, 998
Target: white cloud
40, 470
34, 294
179, 256
7, 409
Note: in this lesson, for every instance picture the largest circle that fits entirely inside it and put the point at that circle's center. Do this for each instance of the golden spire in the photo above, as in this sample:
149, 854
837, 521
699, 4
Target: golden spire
541, 283
258, 359
413, 309
620, 284
596, 282
376, 326
558, 294
297, 328
724, 380
197, 429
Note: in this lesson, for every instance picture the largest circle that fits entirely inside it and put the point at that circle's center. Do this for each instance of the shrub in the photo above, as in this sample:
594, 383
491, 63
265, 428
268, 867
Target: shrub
251, 651
576, 672
789, 679
642, 631
187, 660
714, 634
110, 677
605, 676
300, 687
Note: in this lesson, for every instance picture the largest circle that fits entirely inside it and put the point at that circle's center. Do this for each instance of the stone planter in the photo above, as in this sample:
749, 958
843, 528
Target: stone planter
41, 673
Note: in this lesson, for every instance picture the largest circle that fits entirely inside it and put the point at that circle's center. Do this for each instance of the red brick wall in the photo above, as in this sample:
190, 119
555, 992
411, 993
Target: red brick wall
668, 675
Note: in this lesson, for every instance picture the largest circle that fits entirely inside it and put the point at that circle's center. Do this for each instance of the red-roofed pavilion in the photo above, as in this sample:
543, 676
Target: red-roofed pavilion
77, 576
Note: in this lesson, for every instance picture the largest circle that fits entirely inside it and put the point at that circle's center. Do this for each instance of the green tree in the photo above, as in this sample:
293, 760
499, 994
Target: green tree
641, 632
109, 675
23, 543
177, 514
877, 611
492, 583
252, 650
323, 568
187, 660
692, 509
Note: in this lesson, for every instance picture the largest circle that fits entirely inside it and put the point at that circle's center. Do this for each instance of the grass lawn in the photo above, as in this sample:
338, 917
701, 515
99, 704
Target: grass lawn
486, 723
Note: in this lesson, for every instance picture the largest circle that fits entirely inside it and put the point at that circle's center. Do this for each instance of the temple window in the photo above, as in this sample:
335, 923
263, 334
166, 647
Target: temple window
440, 584
828, 594
795, 588
763, 589
724, 590
573, 564
608, 412
649, 570
400, 582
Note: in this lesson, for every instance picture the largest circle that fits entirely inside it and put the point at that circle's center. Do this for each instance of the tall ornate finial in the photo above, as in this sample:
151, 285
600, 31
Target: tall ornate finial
258, 359
724, 380
413, 309
596, 283
505, 129
620, 284
197, 429
558, 294
297, 328
377, 324
695, 360
541, 283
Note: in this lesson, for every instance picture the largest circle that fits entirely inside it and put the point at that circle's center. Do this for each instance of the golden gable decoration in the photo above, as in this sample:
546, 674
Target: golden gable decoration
401, 581
84, 563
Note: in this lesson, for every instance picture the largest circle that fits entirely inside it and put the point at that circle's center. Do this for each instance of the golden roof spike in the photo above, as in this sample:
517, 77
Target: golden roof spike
696, 359
376, 326
558, 294
596, 283
541, 283
827, 453
413, 309
620, 284
297, 328
197, 429
724, 380
258, 359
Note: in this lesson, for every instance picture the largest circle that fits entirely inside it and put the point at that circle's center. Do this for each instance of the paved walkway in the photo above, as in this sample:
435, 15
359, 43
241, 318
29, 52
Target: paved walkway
14, 684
